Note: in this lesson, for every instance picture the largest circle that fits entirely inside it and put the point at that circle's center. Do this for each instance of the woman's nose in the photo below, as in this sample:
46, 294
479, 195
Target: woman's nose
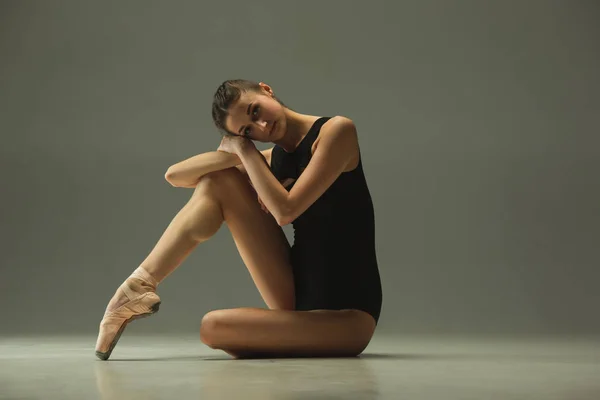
261, 123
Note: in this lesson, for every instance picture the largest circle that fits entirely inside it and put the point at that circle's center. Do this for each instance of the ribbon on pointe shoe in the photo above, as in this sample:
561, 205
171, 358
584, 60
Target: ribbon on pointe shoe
141, 303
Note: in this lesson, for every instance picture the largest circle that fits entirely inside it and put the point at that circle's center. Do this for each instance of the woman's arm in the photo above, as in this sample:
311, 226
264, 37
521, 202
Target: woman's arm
188, 172
338, 146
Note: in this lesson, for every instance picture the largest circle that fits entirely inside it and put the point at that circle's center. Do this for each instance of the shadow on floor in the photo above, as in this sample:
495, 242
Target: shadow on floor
390, 356
543, 358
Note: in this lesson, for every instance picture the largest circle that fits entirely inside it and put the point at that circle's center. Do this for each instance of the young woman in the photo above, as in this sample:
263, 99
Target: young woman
324, 292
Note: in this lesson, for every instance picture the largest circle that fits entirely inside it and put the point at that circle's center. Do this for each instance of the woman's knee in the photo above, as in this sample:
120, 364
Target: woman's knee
217, 180
224, 175
211, 328
363, 328
361, 345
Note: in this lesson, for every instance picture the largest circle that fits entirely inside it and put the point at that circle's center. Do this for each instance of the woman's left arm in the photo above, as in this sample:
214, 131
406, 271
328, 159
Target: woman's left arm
338, 145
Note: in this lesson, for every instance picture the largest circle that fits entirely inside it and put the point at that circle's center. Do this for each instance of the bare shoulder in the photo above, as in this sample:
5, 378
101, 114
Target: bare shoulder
338, 128
340, 124
341, 131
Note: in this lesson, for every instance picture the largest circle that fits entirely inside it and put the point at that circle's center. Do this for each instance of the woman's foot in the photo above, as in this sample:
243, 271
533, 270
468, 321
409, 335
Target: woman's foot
135, 298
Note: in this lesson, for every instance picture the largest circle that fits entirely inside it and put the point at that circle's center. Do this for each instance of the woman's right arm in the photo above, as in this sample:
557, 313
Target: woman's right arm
188, 172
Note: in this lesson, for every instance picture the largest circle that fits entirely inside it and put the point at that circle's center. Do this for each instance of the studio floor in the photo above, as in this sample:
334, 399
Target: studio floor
392, 367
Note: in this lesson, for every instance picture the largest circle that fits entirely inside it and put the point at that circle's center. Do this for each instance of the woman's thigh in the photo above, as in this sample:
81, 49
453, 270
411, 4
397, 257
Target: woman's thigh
261, 242
249, 332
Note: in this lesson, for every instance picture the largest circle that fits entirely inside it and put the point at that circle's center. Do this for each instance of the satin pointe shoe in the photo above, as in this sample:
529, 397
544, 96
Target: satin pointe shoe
135, 298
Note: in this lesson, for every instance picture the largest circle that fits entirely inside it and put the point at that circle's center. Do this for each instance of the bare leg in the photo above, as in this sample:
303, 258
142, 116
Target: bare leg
280, 331
254, 332
196, 222
221, 195
226, 196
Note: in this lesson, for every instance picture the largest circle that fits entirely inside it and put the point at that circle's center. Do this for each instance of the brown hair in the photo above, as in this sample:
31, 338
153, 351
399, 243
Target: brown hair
228, 93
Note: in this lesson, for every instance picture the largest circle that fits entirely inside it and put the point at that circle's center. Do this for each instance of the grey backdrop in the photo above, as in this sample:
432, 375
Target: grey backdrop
478, 125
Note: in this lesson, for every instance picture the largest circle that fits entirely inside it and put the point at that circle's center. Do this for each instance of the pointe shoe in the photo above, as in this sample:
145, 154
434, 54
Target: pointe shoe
138, 300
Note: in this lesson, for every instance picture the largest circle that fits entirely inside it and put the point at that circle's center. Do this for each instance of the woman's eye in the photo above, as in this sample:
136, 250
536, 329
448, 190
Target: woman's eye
247, 131
255, 111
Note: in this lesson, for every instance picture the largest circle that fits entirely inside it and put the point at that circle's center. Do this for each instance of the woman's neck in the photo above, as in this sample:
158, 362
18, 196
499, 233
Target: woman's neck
297, 127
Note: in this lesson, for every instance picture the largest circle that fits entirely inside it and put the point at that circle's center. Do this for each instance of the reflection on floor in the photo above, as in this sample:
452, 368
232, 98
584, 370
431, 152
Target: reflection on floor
392, 367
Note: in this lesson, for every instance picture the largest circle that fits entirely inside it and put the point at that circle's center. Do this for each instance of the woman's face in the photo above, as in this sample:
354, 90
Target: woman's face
257, 116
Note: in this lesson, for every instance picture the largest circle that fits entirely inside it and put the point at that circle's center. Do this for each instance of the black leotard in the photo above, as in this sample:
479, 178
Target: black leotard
333, 255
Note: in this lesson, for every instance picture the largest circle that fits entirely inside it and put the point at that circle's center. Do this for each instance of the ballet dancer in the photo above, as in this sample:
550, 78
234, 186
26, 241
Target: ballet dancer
323, 293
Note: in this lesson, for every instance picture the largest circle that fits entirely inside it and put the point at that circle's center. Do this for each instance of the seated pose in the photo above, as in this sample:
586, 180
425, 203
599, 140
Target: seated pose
323, 293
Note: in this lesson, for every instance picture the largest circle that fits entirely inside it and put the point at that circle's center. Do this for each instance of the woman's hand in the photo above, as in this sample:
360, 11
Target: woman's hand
234, 144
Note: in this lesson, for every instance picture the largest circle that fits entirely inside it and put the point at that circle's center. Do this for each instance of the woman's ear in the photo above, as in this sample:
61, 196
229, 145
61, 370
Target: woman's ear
266, 88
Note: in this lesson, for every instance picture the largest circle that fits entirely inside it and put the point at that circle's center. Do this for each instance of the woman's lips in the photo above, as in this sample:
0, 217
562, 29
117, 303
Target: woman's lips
272, 128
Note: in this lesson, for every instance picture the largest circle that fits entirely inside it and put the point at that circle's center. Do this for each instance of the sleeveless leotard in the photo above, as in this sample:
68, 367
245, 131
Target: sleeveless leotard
333, 254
